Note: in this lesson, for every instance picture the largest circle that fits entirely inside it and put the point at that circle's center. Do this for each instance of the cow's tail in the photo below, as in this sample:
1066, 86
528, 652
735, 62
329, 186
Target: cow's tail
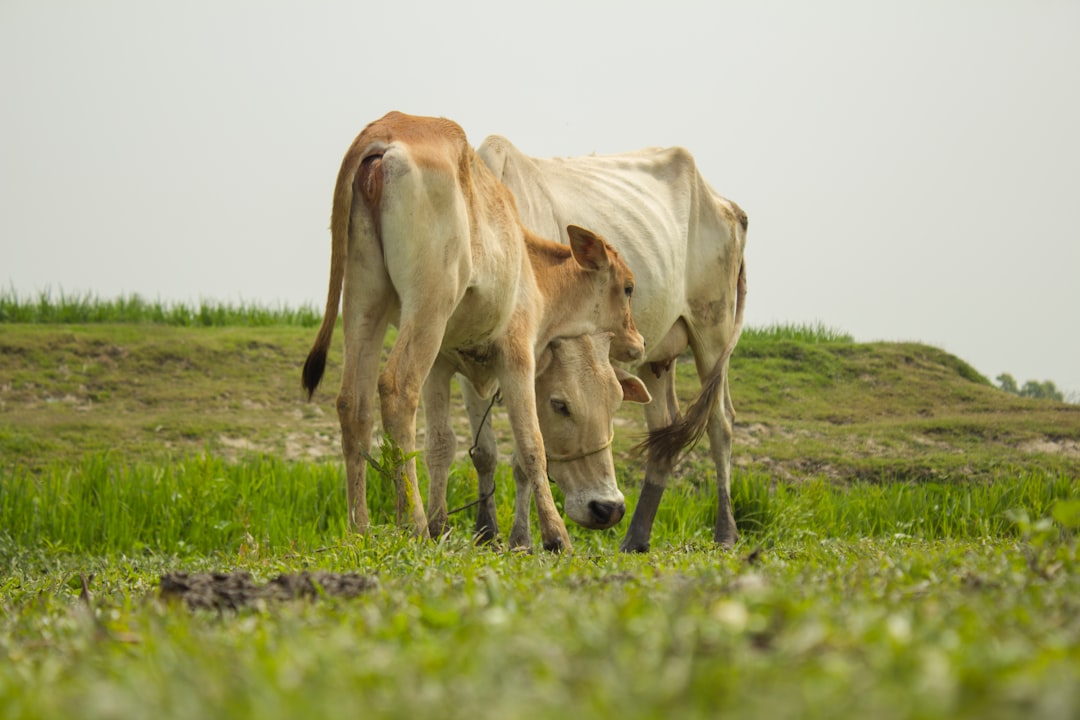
315, 364
667, 444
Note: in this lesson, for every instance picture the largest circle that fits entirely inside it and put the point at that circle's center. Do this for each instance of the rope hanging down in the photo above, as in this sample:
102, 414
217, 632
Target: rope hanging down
476, 443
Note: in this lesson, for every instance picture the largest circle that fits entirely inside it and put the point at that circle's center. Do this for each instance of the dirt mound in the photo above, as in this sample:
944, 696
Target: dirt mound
221, 591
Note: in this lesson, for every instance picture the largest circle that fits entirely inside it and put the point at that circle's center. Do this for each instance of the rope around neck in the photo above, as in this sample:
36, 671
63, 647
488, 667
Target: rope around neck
581, 455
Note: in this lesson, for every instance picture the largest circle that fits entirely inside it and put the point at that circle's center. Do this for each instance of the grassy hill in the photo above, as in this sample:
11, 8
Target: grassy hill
810, 403
876, 554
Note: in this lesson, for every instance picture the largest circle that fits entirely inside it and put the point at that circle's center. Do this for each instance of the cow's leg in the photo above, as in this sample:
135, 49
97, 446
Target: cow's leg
517, 379
661, 412
520, 531
485, 456
441, 443
721, 431
408, 366
364, 332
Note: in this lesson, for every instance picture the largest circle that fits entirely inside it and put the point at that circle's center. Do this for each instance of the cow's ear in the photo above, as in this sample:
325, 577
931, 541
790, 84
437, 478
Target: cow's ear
543, 360
633, 390
589, 249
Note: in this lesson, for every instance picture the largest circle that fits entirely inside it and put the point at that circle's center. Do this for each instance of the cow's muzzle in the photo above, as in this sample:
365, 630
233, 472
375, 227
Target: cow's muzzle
605, 514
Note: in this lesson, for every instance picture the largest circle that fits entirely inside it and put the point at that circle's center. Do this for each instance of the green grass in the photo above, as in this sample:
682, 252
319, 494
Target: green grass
908, 545
89, 308
814, 333
831, 589
206, 506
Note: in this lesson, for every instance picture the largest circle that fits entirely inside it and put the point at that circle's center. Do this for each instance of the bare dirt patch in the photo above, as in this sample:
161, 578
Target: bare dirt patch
231, 591
1069, 448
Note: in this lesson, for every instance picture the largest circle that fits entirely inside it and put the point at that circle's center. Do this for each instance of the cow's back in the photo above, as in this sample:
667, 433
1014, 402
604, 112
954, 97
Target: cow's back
441, 218
675, 232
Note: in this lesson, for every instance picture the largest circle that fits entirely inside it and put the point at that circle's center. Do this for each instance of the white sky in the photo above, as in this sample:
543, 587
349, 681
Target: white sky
911, 169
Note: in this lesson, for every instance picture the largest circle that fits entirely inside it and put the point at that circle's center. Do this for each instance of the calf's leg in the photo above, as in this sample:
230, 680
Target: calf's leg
485, 456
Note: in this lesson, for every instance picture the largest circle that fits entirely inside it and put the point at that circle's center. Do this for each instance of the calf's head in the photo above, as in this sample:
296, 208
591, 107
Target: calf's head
577, 394
615, 288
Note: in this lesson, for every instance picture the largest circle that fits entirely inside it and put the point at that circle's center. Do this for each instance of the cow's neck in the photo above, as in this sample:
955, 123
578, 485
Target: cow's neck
566, 289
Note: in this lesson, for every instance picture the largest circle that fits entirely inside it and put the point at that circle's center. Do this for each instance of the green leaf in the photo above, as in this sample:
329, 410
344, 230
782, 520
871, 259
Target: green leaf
1067, 513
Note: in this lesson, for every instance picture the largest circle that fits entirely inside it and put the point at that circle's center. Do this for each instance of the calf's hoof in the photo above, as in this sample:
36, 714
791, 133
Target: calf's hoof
559, 543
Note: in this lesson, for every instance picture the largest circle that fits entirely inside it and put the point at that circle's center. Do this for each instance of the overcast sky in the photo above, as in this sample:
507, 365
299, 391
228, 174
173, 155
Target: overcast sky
911, 169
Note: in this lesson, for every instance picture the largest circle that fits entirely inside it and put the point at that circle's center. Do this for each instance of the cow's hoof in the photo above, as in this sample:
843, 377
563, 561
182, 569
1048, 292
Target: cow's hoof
484, 536
557, 545
634, 547
726, 540
438, 527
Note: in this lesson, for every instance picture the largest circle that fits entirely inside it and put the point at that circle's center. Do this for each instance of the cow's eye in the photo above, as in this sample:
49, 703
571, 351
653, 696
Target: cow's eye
629, 289
560, 407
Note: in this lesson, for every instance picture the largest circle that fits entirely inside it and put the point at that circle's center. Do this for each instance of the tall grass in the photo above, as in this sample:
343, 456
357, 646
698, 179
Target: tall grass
922, 510
208, 506
88, 308
201, 505
811, 333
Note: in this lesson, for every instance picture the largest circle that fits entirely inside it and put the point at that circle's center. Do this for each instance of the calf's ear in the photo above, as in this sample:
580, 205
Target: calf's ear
589, 249
633, 390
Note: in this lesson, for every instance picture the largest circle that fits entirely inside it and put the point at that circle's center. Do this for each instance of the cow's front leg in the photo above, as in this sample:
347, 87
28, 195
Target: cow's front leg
519, 393
521, 531
485, 456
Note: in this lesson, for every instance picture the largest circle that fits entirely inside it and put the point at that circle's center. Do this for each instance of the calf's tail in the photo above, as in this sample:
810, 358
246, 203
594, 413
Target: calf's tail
315, 364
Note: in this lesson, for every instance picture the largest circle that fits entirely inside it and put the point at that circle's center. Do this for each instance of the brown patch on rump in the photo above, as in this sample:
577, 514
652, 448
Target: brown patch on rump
370, 180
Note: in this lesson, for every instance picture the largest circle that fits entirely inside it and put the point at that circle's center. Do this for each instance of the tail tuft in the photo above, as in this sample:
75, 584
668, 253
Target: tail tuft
313, 370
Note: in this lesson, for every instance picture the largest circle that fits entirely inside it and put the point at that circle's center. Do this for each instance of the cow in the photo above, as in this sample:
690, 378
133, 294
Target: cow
577, 394
685, 244
424, 237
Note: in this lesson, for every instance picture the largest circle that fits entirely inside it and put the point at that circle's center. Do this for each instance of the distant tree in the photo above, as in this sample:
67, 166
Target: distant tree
1041, 391
1045, 390
1007, 383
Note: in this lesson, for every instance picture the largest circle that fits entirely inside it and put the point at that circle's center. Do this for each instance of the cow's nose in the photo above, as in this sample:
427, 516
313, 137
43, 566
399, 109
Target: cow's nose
607, 514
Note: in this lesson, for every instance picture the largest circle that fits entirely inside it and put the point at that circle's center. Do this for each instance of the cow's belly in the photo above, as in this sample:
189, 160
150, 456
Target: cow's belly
671, 345
477, 321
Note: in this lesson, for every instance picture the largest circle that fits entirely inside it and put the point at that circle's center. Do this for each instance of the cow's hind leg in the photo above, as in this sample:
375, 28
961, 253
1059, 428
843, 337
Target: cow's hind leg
661, 412
410, 361
441, 443
721, 432
356, 408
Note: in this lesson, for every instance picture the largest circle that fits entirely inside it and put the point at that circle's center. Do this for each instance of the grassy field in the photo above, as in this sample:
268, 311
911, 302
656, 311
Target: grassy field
908, 550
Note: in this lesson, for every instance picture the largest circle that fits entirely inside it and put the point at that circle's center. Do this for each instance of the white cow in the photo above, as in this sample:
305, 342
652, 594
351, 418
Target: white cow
685, 244
423, 236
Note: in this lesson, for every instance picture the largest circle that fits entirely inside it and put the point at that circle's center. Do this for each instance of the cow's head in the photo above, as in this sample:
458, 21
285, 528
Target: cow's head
615, 287
577, 394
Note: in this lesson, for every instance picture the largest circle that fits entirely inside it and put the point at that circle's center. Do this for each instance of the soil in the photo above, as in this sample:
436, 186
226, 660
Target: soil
231, 591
